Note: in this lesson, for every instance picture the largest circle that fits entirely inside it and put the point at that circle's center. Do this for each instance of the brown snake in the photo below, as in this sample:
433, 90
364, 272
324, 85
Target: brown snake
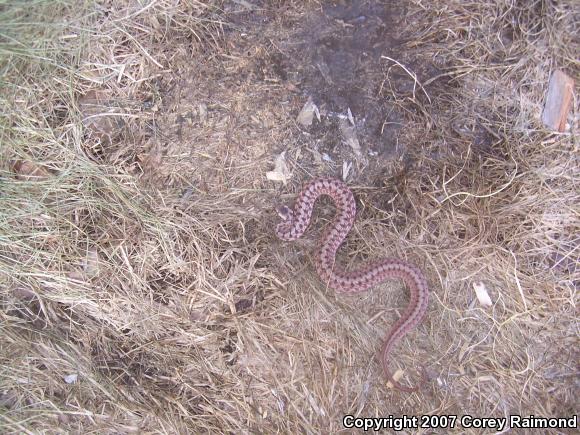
294, 224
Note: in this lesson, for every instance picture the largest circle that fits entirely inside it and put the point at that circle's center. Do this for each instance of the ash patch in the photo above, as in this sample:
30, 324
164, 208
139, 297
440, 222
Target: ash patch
335, 56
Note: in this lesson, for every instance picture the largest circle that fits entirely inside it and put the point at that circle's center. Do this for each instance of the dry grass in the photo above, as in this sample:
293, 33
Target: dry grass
144, 263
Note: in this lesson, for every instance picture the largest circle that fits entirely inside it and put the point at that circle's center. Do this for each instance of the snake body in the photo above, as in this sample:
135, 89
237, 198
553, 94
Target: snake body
295, 222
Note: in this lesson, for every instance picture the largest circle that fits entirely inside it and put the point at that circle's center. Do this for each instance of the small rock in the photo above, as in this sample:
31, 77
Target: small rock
71, 379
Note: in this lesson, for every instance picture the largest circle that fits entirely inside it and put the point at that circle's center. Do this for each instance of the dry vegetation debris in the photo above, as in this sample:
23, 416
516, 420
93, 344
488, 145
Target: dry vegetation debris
141, 285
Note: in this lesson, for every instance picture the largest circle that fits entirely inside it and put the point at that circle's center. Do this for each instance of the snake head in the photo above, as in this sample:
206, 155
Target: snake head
284, 212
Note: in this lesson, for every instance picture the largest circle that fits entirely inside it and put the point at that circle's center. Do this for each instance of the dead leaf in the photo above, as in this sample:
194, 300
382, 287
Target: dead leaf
72, 378
24, 294
91, 266
317, 156
349, 134
281, 171
313, 402
76, 276
245, 4
350, 117
8, 399
307, 113
346, 167
151, 160
29, 171
64, 419
202, 111
95, 106
325, 71
482, 294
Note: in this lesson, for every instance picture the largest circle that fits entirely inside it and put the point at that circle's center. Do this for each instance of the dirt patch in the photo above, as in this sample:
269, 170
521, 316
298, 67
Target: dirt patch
349, 58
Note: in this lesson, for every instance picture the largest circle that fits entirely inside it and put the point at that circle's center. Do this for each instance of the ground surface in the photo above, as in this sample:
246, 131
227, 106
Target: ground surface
145, 147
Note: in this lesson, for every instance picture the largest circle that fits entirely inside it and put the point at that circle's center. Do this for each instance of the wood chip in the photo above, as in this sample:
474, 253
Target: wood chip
397, 376
558, 101
482, 294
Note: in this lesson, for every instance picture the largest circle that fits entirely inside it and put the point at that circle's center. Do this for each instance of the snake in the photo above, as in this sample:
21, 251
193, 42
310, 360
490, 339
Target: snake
296, 220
